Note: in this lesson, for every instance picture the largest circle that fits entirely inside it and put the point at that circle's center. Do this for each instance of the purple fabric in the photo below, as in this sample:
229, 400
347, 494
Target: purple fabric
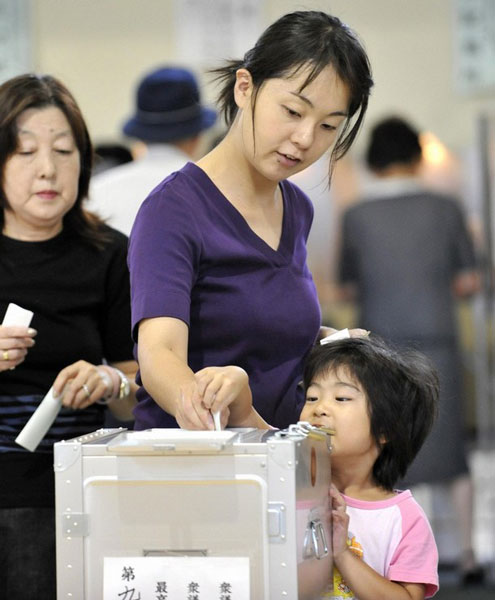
192, 256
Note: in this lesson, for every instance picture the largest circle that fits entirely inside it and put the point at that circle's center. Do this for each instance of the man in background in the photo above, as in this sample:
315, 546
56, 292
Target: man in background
169, 120
406, 258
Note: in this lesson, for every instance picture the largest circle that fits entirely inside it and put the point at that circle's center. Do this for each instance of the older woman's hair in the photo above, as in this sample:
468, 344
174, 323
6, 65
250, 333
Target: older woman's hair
40, 91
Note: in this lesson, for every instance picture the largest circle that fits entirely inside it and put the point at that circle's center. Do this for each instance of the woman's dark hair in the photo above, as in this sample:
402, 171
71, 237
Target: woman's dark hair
293, 42
402, 390
40, 91
392, 141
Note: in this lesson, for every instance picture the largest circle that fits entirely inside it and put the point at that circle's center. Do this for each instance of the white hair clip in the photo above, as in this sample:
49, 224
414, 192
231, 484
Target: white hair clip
338, 335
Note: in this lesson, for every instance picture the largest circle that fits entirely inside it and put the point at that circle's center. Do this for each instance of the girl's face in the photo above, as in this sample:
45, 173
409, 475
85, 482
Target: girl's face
337, 401
41, 177
292, 128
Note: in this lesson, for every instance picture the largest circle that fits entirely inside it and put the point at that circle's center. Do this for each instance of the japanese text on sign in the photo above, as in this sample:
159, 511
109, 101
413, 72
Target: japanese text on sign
180, 578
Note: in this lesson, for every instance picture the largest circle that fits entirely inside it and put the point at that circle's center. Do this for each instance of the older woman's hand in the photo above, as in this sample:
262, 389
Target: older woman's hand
82, 385
15, 342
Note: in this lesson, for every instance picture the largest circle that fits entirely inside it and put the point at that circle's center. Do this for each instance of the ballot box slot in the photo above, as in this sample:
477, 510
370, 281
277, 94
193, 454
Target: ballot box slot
176, 552
172, 440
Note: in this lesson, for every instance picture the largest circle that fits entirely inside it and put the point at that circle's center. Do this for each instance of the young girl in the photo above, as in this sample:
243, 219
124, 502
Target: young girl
217, 253
381, 405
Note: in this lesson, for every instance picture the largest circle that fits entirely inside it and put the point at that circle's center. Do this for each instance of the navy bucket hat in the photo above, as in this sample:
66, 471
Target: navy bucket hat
168, 107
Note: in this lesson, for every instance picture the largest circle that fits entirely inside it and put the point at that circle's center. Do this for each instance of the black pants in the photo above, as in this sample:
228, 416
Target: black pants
27, 554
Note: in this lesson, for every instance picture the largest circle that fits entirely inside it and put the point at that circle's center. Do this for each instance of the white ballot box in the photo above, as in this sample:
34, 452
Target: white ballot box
245, 511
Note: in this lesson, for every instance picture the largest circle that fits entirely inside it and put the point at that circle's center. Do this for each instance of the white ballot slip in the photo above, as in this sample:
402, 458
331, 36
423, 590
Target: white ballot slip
333, 337
16, 315
40, 422
216, 420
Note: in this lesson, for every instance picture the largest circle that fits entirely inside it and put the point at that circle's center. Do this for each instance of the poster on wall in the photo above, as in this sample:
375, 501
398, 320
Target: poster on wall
209, 32
15, 38
474, 45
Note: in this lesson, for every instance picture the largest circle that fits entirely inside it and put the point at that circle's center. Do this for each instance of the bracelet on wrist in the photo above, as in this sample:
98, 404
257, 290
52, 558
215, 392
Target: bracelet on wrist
125, 386
104, 373
117, 383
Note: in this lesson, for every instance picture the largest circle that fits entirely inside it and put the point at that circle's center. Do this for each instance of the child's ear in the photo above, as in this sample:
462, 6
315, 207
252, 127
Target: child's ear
382, 440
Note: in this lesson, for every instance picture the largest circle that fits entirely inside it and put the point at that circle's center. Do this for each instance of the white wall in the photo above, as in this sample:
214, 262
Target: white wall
99, 48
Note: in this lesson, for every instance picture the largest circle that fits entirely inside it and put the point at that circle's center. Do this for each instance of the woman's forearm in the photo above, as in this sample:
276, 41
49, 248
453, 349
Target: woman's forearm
162, 357
164, 375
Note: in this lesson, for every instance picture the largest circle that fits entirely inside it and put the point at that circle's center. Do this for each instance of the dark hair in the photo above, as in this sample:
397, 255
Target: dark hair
392, 141
108, 156
293, 42
40, 91
402, 390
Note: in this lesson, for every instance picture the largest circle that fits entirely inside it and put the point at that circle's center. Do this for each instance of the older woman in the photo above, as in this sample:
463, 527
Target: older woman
63, 264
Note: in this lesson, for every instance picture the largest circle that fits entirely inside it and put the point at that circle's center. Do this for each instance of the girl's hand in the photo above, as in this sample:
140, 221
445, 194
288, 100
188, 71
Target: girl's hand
15, 342
81, 384
340, 522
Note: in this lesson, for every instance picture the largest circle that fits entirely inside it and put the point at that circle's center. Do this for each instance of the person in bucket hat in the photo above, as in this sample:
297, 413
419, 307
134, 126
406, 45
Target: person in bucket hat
168, 120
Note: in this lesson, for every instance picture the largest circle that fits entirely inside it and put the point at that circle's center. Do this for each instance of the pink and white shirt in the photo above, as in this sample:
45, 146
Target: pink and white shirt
393, 537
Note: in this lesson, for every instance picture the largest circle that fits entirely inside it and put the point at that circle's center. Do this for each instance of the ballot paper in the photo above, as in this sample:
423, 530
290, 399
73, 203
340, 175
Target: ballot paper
42, 418
216, 420
40, 422
333, 337
16, 315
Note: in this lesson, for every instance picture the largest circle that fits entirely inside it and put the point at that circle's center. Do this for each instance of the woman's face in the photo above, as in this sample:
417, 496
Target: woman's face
292, 127
41, 177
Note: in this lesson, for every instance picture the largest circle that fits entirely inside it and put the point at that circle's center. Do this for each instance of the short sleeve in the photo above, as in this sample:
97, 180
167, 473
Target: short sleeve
116, 319
164, 251
416, 557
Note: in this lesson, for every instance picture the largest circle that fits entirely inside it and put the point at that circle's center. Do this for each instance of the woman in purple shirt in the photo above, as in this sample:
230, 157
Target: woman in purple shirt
217, 254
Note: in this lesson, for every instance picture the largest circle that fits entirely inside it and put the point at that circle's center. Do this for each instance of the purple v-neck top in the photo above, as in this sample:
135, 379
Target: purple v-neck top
192, 256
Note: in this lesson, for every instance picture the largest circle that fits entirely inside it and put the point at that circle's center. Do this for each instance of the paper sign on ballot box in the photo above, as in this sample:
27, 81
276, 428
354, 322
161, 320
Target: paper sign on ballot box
177, 578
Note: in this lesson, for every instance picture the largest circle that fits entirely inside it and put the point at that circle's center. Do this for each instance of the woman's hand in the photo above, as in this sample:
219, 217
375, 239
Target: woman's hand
81, 384
220, 386
213, 390
190, 412
340, 522
224, 389
15, 342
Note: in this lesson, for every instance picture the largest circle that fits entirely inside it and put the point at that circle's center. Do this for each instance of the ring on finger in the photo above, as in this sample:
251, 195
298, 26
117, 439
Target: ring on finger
5, 355
86, 389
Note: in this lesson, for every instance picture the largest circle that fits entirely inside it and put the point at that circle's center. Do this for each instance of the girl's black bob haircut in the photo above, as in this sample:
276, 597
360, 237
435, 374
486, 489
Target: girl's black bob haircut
402, 390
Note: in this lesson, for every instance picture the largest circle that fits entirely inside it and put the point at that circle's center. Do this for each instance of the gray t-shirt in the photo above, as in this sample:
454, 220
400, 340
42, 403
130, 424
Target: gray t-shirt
403, 252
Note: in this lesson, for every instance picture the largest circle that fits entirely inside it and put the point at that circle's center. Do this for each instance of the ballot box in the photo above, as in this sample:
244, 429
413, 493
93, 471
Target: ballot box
243, 510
